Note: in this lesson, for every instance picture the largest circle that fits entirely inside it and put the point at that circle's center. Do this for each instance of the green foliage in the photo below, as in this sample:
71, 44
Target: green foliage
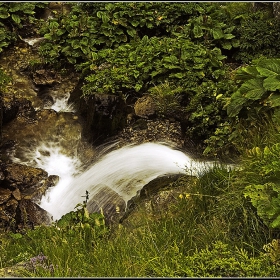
264, 188
258, 34
211, 28
196, 71
207, 231
172, 59
82, 220
254, 101
272, 250
94, 26
13, 16
259, 88
167, 99
218, 260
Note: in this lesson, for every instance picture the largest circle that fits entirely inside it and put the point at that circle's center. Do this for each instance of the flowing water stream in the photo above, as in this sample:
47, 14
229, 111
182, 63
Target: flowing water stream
54, 144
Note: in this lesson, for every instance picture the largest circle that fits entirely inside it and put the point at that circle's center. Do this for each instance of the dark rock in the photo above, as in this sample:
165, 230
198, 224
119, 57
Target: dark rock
156, 197
105, 116
108, 202
16, 194
31, 182
276, 10
158, 183
145, 107
4, 195
10, 108
11, 206
29, 214
45, 77
1, 117
145, 130
13, 107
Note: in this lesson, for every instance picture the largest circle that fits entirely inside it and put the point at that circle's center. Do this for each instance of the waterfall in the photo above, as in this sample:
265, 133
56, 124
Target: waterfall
125, 171
54, 144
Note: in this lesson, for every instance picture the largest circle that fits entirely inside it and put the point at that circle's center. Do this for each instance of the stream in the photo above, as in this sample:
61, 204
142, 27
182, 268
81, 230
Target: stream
49, 136
54, 143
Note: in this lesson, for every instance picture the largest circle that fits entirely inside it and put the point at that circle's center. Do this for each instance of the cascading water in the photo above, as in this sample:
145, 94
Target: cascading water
125, 171
53, 145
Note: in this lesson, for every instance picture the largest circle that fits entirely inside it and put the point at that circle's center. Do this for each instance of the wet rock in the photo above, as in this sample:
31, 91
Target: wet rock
4, 195
159, 183
23, 187
155, 198
11, 206
24, 176
45, 77
31, 182
105, 116
144, 130
1, 117
145, 107
109, 201
29, 214
13, 107
16, 194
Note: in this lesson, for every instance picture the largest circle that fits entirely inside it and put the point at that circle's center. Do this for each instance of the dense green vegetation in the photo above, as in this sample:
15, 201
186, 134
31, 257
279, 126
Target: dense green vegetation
214, 67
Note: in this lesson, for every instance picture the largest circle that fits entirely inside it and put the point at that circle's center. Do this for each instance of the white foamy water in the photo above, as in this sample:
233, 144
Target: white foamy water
125, 171
61, 103
51, 158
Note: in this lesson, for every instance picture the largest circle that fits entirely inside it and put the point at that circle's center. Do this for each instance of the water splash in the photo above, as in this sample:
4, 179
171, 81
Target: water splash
60, 103
125, 171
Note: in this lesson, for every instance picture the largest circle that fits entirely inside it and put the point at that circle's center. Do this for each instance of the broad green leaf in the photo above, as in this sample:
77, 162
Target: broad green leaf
269, 67
134, 23
246, 73
235, 105
272, 83
229, 36
235, 43
276, 222
252, 89
177, 75
131, 32
4, 14
229, 29
227, 45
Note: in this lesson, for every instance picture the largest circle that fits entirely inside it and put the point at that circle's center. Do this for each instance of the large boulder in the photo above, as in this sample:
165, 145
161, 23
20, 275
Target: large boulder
32, 182
13, 107
107, 201
145, 107
21, 190
45, 77
29, 214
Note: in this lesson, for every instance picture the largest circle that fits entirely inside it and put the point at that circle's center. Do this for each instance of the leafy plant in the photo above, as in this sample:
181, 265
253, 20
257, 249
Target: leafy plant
258, 33
254, 101
13, 17
259, 88
91, 27
211, 28
264, 184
